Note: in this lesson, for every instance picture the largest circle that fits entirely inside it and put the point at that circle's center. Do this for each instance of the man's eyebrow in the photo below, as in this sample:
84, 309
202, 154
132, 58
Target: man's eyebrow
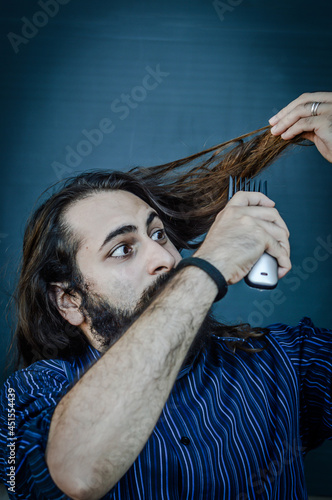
151, 217
128, 228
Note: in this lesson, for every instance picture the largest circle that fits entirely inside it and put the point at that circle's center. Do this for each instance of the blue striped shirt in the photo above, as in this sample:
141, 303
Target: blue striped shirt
235, 426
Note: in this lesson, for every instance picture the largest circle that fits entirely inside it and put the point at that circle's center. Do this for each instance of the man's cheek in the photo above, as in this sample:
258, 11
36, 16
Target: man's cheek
124, 293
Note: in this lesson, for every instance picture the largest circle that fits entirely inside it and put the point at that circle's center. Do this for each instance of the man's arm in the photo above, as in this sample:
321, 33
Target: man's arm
101, 425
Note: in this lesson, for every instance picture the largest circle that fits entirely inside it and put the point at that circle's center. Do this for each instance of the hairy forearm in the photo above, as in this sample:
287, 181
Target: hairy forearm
101, 425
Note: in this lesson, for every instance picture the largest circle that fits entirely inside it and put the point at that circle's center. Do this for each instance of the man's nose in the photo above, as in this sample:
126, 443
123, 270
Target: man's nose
159, 259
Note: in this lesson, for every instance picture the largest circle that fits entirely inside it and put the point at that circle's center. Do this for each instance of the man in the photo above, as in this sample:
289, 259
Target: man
148, 400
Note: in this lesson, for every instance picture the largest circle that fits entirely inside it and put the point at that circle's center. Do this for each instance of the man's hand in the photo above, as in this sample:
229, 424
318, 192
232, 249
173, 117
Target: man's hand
296, 119
248, 226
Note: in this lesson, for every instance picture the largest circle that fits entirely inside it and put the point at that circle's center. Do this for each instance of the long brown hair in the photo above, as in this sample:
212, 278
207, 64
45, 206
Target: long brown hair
187, 194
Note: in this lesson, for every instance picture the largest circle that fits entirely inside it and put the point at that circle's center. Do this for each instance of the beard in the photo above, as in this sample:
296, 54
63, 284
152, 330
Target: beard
109, 323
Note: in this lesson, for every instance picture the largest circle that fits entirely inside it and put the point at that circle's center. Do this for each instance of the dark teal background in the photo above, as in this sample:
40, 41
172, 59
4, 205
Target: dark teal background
228, 70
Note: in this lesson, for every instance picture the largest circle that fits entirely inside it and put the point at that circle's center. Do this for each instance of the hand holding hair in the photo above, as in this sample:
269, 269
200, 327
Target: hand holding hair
309, 115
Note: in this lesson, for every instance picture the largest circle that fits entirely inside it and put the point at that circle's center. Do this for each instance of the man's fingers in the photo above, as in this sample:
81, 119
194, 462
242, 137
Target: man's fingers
269, 214
242, 231
300, 119
302, 125
310, 116
300, 107
278, 251
248, 198
280, 235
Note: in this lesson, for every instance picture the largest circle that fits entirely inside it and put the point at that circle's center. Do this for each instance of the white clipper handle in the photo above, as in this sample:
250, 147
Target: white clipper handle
264, 274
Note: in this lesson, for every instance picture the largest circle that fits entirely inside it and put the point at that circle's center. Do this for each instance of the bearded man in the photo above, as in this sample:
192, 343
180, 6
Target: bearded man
130, 388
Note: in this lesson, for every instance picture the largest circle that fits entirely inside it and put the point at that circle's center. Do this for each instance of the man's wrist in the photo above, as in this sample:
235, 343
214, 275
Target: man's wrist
209, 269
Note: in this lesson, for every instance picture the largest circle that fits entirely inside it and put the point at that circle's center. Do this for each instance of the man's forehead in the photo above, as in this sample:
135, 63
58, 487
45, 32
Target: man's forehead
105, 207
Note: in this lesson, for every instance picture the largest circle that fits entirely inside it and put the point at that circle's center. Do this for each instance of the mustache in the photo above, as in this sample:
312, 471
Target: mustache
110, 323
153, 291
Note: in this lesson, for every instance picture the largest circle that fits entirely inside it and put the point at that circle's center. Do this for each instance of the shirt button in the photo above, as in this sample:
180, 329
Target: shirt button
185, 440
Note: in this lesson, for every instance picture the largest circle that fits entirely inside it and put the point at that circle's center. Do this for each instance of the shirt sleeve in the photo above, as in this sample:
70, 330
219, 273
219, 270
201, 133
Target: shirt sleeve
310, 351
27, 403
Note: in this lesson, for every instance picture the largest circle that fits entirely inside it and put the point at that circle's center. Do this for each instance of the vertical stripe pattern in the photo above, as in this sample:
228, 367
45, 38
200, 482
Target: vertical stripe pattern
235, 426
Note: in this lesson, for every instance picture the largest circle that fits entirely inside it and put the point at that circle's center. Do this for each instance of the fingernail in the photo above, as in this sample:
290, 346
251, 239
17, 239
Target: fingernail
273, 120
274, 129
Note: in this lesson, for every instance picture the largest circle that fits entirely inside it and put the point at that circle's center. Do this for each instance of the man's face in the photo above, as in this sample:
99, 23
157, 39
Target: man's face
123, 249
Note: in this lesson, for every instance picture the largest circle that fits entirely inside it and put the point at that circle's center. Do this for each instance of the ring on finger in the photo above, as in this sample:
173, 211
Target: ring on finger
314, 108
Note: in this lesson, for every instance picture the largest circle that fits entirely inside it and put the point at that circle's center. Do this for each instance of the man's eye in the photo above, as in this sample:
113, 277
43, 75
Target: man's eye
159, 235
121, 251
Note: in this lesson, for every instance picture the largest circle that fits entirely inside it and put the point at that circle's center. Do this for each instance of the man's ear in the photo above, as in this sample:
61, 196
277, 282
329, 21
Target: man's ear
67, 304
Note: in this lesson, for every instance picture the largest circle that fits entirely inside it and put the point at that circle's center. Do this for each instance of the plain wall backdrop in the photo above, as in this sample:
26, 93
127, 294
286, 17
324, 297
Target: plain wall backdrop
161, 80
